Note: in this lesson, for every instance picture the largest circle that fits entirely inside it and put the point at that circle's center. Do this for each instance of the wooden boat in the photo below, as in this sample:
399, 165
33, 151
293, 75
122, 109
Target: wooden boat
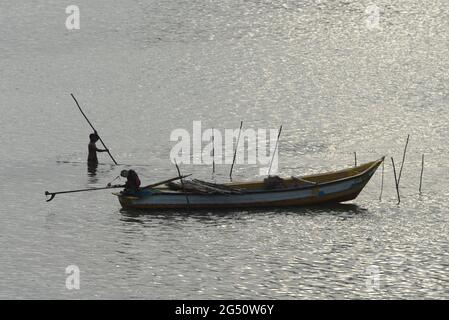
331, 187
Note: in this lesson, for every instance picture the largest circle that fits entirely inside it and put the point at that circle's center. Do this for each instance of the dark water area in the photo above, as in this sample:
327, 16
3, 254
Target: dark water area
141, 69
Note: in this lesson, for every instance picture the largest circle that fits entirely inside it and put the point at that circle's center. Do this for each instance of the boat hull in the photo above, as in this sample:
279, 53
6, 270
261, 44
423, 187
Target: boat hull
341, 190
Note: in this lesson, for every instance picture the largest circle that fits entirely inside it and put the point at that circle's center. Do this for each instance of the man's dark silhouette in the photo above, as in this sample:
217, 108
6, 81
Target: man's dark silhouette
92, 157
132, 181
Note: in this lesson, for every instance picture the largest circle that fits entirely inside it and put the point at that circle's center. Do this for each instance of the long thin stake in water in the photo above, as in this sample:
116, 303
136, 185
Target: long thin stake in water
382, 183
403, 160
396, 181
182, 181
213, 152
235, 151
275, 149
422, 171
92, 127
355, 159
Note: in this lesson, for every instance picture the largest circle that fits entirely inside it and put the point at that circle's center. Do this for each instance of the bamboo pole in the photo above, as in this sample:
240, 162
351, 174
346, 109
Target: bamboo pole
235, 151
88, 121
53, 194
403, 160
382, 183
213, 152
182, 181
422, 171
275, 148
396, 180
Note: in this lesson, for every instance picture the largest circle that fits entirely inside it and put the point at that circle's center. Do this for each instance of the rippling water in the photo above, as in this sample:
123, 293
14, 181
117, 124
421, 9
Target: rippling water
142, 68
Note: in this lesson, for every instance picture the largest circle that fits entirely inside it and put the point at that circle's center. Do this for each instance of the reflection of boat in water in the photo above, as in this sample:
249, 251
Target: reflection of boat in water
325, 188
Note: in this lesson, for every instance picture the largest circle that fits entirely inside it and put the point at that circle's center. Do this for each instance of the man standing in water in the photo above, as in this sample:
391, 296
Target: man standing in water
92, 157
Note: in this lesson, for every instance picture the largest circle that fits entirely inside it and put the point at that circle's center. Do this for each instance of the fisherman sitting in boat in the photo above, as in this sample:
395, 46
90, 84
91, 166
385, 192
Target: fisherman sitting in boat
132, 184
92, 157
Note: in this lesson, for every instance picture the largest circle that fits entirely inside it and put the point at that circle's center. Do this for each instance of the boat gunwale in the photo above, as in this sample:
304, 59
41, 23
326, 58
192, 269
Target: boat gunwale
374, 163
